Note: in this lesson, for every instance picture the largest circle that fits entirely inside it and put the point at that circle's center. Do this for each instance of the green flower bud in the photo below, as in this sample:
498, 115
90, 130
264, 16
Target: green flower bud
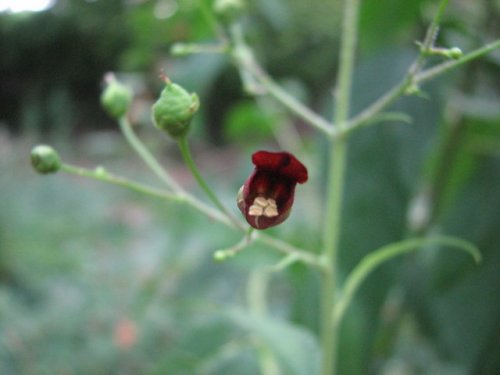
181, 49
455, 53
45, 159
174, 110
229, 9
116, 98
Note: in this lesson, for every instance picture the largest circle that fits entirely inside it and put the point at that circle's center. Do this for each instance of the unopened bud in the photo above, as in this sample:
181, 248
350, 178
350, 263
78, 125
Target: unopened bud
45, 159
116, 98
174, 110
455, 53
229, 9
181, 49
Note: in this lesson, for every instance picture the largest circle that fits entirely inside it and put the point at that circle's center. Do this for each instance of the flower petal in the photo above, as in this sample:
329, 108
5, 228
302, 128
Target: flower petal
281, 163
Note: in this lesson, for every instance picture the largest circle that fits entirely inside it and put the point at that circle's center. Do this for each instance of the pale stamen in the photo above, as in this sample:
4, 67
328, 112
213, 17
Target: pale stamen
263, 207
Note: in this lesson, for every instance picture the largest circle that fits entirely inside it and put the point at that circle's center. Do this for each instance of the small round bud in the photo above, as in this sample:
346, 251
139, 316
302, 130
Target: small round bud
116, 98
45, 159
100, 171
174, 110
220, 256
455, 53
229, 9
181, 49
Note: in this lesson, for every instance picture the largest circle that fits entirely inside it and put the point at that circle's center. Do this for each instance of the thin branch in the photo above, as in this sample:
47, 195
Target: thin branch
188, 159
101, 174
446, 66
400, 89
377, 257
180, 197
286, 248
146, 155
245, 59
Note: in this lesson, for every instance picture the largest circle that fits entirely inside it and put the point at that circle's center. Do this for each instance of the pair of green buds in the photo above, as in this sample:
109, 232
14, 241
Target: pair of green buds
172, 112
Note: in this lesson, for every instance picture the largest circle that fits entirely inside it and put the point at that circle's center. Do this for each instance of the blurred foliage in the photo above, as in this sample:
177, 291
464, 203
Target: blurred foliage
95, 280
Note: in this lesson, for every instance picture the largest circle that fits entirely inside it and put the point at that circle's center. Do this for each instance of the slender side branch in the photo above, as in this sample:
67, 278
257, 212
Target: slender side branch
400, 89
428, 42
245, 59
286, 248
446, 66
385, 253
146, 155
211, 20
188, 159
101, 174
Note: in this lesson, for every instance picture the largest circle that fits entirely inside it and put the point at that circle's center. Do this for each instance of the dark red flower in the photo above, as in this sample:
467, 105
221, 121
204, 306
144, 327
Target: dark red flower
266, 198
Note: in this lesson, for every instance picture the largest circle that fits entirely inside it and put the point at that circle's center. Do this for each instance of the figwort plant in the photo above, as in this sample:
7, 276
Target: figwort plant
266, 198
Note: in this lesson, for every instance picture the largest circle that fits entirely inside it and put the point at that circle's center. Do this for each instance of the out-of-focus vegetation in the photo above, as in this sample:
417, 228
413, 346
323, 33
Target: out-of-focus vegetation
96, 280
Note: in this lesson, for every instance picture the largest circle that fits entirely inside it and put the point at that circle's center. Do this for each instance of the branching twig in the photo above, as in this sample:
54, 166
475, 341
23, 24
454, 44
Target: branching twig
400, 89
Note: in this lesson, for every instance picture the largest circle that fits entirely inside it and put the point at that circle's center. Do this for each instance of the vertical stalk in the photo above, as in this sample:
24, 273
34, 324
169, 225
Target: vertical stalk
146, 155
188, 159
336, 177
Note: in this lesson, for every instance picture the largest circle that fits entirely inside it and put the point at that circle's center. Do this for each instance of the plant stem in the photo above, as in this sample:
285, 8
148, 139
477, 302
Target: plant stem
104, 176
381, 255
428, 42
188, 159
245, 60
444, 67
207, 12
146, 156
288, 249
399, 90
336, 173
257, 288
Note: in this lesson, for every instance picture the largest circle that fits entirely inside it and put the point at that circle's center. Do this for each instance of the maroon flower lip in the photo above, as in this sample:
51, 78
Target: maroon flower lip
266, 198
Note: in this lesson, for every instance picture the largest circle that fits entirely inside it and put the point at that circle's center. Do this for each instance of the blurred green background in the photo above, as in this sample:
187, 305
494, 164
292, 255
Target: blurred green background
98, 280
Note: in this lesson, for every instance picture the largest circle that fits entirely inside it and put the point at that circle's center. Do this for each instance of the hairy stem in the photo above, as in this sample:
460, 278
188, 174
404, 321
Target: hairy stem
101, 174
245, 59
146, 155
336, 173
400, 89
183, 197
388, 252
188, 159
257, 287
444, 67
104, 176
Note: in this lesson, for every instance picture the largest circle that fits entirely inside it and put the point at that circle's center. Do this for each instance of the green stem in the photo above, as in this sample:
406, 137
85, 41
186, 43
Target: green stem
104, 176
188, 159
206, 11
288, 249
428, 42
245, 60
444, 67
385, 253
400, 89
283, 247
257, 287
146, 156
337, 167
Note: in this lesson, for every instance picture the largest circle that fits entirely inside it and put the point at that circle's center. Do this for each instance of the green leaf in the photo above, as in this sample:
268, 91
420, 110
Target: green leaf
296, 348
385, 253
